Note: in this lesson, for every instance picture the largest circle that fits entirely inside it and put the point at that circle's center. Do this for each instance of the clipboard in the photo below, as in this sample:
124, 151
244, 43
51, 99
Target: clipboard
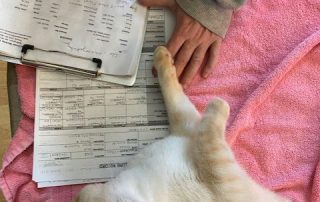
86, 72
116, 46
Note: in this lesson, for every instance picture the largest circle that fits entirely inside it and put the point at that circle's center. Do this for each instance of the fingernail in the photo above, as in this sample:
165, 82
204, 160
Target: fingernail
206, 74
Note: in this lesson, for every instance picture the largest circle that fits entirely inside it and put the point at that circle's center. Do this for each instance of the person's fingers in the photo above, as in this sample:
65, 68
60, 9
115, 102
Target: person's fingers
212, 58
175, 42
183, 56
157, 3
194, 64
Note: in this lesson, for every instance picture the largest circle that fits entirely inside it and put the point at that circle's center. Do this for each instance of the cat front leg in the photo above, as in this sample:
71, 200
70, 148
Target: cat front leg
213, 157
216, 164
183, 116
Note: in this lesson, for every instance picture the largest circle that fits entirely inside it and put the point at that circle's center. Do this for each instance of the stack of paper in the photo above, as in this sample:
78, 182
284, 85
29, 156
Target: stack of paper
87, 130
71, 35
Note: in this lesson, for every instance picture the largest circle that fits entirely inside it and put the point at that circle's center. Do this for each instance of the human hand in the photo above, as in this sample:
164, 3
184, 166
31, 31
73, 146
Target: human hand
192, 45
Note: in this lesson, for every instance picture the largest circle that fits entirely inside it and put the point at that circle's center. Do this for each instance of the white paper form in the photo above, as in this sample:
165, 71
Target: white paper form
86, 130
111, 30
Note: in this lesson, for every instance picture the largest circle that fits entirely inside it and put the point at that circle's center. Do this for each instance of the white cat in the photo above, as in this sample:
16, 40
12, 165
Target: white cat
193, 164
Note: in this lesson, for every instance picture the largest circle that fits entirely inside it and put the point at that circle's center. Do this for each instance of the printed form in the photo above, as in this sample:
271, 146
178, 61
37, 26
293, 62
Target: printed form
87, 130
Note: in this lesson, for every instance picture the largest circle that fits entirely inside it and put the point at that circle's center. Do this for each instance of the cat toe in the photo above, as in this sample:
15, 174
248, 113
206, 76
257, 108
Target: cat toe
162, 58
219, 105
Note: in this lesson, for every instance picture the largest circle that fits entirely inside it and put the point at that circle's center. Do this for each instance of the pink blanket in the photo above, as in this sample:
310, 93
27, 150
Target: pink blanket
269, 72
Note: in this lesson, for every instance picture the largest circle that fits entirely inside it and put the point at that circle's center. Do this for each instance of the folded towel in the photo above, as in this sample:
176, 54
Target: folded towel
269, 73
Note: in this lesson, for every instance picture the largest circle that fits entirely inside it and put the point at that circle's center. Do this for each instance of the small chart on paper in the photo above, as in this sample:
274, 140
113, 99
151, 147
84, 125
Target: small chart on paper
89, 128
78, 28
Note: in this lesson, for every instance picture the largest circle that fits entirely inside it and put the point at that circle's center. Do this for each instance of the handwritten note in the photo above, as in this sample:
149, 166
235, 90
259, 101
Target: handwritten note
111, 30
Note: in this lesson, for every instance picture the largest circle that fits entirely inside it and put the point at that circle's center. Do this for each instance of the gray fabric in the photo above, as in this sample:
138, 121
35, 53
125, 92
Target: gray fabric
14, 99
230, 4
214, 15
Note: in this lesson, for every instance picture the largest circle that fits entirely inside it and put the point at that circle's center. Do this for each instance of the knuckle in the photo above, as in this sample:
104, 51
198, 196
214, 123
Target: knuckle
196, 60
181, 62
189, 44
198, 56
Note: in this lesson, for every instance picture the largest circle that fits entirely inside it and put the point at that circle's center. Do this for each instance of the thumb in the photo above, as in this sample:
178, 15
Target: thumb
157, 3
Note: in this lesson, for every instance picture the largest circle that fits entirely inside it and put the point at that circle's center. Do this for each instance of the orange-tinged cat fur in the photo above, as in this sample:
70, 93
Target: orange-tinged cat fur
193, 164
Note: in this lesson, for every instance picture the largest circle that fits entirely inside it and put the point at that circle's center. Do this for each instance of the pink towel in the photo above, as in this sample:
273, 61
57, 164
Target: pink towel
269, 72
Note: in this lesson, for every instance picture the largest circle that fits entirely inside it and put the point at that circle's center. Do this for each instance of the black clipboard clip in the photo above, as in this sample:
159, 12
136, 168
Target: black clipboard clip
62, 68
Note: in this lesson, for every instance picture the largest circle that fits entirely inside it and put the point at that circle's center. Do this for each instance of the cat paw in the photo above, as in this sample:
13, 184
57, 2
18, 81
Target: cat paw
162, 58
218, 105
91, 193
